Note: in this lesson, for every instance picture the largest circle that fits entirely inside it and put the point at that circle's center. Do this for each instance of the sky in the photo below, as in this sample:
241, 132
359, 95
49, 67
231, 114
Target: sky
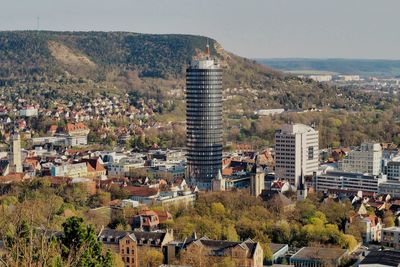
250, 28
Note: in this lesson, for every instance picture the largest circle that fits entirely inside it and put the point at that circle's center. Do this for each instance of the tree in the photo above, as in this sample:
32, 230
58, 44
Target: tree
229, 233
349, 242
151, 258
356, 229
101, 198
80, 246
388, 219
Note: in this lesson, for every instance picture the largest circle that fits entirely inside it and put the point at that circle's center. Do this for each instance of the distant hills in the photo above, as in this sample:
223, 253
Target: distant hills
151, 66
96, 54
364, 67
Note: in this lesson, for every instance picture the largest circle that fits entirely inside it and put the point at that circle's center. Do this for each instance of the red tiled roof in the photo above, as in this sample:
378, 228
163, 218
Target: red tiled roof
70, 127
11, 178
34, 161
141, 191
93, 165
227, 171
164, 216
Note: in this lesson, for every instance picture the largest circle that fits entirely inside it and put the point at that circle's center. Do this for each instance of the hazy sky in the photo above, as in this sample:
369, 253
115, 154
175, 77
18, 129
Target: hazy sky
252, 28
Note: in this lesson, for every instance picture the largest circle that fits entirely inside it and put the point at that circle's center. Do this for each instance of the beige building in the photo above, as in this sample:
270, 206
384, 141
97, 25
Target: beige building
296, 149
15, 153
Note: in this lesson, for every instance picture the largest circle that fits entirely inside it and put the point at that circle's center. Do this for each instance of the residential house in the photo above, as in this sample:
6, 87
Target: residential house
371, 225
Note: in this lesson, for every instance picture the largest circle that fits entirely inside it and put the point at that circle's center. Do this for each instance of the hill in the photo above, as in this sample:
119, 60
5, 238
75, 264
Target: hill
148, 66
364, 67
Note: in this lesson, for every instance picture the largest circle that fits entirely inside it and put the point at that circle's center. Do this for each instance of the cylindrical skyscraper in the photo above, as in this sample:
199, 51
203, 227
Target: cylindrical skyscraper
204, 121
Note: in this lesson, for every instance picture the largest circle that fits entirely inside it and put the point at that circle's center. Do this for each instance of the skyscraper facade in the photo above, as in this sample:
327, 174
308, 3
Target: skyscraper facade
204, 121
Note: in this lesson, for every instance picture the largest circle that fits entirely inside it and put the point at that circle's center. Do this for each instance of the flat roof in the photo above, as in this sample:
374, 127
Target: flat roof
316, 253
275, 247
383, 257
393, 228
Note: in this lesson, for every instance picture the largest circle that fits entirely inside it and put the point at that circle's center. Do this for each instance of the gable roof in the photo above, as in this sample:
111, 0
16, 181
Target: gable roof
11, 178
94, 164
141, 191
72, 127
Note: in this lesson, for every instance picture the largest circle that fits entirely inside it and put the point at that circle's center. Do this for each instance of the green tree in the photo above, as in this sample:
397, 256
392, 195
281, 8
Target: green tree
388, 219
80, 246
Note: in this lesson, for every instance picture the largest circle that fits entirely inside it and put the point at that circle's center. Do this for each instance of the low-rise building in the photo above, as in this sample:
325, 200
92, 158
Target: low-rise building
122, 167
245, 254
348, 181
371, 225
390, 188
70, 170
318, 257
381, 258
391, 237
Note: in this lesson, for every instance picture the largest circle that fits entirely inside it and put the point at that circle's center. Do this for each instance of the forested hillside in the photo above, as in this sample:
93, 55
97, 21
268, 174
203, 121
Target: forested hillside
143, 63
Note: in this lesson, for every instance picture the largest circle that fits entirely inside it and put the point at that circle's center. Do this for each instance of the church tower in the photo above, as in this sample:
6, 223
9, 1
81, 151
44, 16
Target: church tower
257, 179
302, 188
218, 183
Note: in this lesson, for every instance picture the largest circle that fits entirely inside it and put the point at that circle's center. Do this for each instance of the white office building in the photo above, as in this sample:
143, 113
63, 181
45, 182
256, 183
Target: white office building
296, 150
348, 181
366, 159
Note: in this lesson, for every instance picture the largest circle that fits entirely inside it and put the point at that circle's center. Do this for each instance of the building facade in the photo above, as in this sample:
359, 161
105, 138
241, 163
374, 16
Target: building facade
15, 153
391, 237
366, 159
203, 251
296, 149
348, 181
392, 170
204, 121
132, 246
390, 188
70, 170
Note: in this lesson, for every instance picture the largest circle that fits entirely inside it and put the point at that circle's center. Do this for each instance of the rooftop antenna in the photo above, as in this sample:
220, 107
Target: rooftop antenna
207, 49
